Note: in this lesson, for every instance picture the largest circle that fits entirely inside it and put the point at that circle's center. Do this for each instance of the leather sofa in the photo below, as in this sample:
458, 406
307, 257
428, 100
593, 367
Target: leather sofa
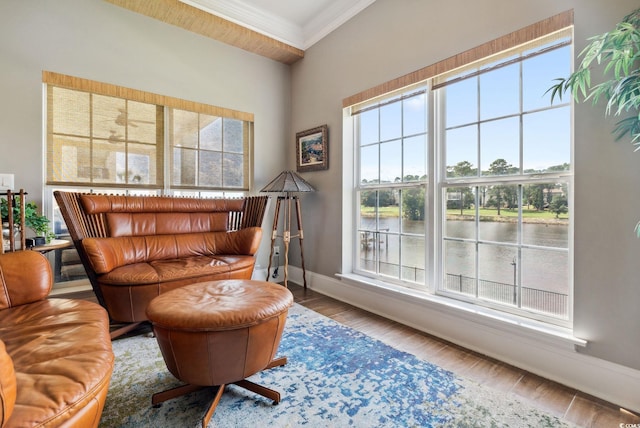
135, 248
55, 354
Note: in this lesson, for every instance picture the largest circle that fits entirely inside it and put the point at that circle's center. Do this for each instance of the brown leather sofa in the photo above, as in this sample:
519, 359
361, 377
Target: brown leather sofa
55, 354
135, 248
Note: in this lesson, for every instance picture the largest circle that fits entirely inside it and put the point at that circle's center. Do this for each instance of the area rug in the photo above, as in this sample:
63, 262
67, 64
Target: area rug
335, 377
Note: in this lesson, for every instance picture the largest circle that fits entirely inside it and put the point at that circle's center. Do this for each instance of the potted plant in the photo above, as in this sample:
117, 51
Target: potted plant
618, 51
34, 221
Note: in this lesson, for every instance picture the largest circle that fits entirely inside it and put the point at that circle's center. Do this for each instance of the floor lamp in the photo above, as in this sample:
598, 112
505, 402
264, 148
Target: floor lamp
287, 182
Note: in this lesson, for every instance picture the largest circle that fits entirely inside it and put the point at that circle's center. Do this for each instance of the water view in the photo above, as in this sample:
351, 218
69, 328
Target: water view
540, 271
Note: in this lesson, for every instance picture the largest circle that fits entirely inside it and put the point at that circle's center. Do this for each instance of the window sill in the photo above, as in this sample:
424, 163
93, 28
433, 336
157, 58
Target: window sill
502, 321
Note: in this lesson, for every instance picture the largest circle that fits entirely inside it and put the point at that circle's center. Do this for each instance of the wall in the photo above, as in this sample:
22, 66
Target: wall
394, 37
96, 40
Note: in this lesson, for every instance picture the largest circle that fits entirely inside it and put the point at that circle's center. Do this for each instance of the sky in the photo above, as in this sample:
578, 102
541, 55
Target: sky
488, 105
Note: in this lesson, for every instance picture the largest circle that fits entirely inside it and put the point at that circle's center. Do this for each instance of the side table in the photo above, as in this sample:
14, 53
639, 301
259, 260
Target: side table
54, 244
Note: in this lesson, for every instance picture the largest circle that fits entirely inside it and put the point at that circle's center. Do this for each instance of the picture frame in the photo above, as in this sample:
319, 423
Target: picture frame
312, 149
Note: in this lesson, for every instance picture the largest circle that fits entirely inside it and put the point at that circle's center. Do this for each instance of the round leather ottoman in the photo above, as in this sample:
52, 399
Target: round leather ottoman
220, 332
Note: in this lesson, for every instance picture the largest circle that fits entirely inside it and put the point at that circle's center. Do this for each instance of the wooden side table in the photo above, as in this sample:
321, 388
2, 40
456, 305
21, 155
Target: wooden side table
54, 244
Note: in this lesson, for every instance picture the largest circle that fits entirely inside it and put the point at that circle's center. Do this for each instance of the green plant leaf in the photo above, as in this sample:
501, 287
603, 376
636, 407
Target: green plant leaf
619, 51
557, 90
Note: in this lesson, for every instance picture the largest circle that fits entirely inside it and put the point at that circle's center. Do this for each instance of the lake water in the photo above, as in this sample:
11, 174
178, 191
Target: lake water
542, 269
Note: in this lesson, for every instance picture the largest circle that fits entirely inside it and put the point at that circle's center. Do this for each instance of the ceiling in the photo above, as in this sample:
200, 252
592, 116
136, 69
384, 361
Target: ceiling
277, 29
299, 23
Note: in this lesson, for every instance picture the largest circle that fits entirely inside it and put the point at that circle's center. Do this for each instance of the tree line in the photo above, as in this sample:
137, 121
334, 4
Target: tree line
546, 196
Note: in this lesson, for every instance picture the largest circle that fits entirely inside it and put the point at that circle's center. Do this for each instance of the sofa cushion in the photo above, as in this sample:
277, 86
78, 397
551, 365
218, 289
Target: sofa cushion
161, 215
61, 352
161, 271
107, 254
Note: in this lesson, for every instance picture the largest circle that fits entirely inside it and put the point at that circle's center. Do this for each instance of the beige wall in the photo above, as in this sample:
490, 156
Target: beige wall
96, 40
394, 37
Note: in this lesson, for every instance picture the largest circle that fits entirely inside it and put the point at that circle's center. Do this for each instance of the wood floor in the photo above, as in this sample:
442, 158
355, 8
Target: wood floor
567, 403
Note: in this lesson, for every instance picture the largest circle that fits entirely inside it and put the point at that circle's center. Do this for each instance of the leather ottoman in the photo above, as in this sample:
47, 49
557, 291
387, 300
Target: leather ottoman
220, 332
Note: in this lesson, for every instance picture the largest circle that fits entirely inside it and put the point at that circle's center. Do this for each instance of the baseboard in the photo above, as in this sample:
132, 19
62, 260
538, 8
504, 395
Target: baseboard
275, 275
555, 361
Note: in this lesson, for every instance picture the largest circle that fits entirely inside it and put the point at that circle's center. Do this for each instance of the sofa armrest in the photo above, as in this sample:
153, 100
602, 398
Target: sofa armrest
240, 242
8, 385
25, 277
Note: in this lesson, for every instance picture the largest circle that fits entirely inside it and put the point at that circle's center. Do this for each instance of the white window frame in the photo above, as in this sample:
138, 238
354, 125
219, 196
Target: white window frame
436, 204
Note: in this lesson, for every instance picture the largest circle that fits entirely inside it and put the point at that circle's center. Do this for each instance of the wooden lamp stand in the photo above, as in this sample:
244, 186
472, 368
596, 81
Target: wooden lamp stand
290, 203
287, 182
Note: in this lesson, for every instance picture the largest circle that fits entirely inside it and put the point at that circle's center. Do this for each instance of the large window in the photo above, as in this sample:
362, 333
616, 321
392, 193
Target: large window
102, 136
392, 144
464, 183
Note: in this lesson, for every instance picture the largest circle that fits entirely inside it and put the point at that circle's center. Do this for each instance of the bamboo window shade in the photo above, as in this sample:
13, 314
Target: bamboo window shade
492, 51
103, 135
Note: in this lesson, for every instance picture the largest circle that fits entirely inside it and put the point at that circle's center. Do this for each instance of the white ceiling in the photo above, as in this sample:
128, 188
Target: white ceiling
299, 23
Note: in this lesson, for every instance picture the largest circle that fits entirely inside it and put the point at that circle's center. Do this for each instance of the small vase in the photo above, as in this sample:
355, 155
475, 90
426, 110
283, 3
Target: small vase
6, 240
6, 236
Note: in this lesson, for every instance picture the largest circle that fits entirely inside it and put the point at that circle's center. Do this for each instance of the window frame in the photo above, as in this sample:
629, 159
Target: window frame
164, 155
435, 201
381, 237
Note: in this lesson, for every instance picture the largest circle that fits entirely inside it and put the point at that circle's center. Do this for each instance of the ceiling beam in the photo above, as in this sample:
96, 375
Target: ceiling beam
190, 18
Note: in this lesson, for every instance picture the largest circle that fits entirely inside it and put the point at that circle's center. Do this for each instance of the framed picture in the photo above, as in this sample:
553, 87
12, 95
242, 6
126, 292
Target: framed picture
312, 149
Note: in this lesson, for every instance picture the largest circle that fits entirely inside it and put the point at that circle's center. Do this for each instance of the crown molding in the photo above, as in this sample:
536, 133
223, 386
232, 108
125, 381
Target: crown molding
276, 27
255, 19
330, 19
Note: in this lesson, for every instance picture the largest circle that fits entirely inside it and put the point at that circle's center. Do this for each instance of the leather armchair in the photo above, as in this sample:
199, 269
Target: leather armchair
55, 354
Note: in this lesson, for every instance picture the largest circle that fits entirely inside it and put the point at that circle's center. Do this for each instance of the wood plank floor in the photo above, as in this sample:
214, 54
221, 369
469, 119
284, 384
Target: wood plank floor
571, 405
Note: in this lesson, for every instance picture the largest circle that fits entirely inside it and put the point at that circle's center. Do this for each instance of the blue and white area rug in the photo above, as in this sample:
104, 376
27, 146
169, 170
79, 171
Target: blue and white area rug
335, 377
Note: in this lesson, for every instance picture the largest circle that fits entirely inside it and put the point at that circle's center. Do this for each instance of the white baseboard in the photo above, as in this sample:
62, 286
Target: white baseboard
260, 274
552, 359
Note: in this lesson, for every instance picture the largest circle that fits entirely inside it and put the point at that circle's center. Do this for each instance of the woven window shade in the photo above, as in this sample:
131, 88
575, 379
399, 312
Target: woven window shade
209, 152
102, 140
545, 43
490, 50
104, 136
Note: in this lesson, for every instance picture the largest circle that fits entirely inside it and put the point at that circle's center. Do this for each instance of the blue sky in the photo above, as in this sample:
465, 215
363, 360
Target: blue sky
546, 134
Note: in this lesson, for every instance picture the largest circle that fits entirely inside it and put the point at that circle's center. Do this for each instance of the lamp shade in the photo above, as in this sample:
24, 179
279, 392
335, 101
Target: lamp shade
288, 181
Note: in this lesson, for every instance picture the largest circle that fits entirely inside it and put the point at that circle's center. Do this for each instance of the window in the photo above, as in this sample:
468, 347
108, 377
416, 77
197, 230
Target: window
506, 166
392, 146
96, 140
207, 151
104, 136
464, 183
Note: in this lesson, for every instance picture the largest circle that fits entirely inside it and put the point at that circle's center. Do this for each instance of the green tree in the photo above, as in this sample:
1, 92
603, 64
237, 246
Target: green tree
534, 195
501, 193
462, 169
380, 198
413, 203
500, 167
368, 198
559, 205
465, 196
